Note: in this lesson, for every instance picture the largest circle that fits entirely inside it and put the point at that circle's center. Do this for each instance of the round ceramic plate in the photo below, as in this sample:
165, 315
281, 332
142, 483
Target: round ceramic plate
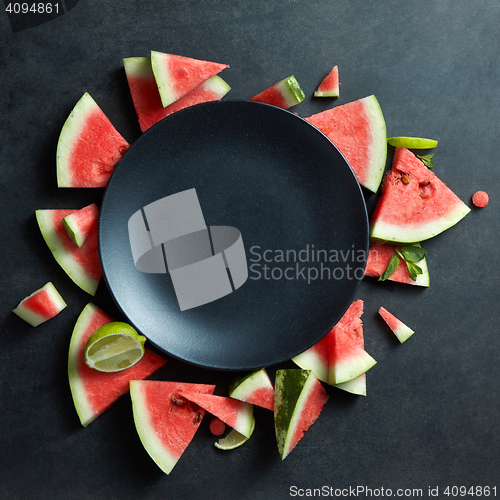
233, 235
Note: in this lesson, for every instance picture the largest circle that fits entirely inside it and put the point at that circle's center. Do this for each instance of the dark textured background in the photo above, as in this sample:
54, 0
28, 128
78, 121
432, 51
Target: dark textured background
432, 411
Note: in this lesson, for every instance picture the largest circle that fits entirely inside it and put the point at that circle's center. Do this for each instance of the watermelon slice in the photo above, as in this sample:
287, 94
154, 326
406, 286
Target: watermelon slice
80, 224
378, 259
355, 386
299, 399
94, 391
340, 356
415, 204
176, 75
165, 424
237, 414
358, 130
329, 87
41, 305
284, 94
402, 331
89, 147
255, 388
146, 97
80, 263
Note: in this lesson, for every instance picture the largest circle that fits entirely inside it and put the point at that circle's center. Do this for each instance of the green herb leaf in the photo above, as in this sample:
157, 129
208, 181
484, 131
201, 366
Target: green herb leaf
412, 253
426, 159
391, 268
413, 270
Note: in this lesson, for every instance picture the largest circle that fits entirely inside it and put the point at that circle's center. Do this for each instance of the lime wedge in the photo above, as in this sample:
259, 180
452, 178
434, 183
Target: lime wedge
114, 347
233, 439
412, 142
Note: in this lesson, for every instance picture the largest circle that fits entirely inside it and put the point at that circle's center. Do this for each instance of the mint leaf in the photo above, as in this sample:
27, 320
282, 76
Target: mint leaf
412, 253
391, 268
413, 270
426, 159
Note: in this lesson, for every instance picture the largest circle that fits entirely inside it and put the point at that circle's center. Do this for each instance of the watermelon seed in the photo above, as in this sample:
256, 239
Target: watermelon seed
197, 418
405, 179
425, 183
178, 401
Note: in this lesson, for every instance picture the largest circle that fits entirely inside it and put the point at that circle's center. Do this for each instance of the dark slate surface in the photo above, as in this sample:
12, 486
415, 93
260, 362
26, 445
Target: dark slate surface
430, 419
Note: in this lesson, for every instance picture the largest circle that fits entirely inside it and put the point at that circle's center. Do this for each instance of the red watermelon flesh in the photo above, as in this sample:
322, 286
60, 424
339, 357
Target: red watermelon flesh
80, 224
329, 87
402, 331
176, 76
378, 259
165, 423
359, 132
415, 204
146, 97
237, 414
255, 388
339, 356
41, 305
284, 94
80, 263
299, 399
94, 391
89, 147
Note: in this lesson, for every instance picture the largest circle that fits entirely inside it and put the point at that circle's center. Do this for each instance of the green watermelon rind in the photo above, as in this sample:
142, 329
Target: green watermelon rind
383, 231
242, 388
355, 386
351, 368
64, 257
78, 392
291, 91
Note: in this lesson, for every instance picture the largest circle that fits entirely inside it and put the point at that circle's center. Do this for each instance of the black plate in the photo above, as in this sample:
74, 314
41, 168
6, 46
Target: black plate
299, 209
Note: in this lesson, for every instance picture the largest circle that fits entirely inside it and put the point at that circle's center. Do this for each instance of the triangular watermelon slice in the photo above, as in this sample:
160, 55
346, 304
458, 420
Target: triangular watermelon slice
255, 388
359, 132
94, 391
89, 147
177, 75
80, 263
339, 356
237, 414
165, 423
41, 305
146, 98
378, 259
284, 94
403, 332
299, 399
80, 224
329, 87
415, 204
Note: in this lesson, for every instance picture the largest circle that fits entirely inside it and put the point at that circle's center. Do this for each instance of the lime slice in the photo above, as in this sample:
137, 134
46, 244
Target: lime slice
412, 142
233, 439
114, 347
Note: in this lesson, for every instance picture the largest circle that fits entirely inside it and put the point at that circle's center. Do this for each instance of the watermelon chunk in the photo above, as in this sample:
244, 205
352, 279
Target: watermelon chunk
146, 97
80, 224
359, 132
378, 259
415, 204
284, 94
402, 331
299, 399
94, 391
255, 388
480, 199
89, 147
41, 305
80, 263
176, 75
339, 356
329, 87
237, 414
165, 424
